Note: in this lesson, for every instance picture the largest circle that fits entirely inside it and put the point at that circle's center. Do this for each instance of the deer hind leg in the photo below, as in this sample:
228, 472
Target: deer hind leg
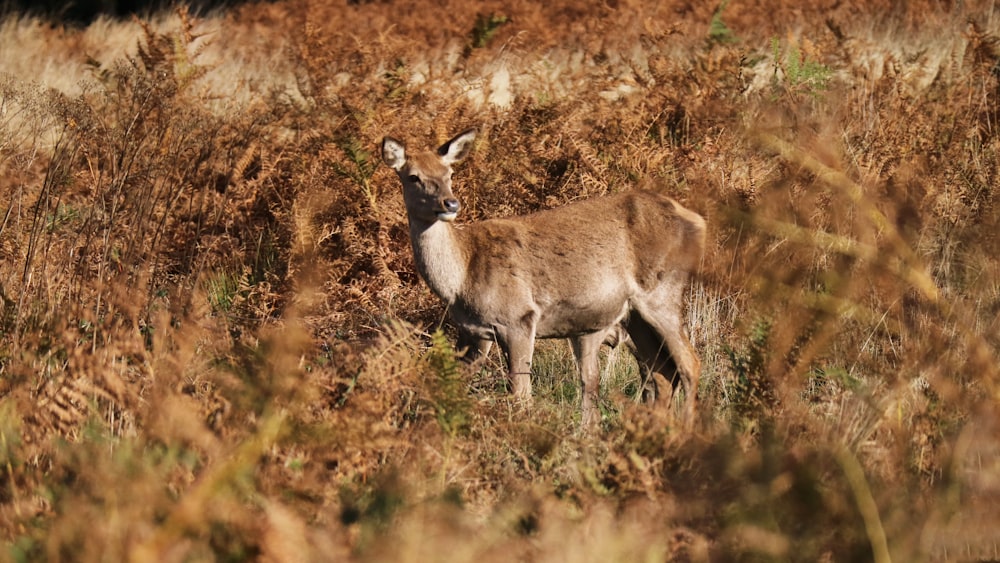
586, 349
665, 323
656, 365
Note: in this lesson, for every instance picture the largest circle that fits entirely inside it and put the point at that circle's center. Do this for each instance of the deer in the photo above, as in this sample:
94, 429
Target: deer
610, 269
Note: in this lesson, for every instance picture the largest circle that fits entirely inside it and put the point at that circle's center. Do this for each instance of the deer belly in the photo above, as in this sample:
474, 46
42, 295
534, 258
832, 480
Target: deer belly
567, 318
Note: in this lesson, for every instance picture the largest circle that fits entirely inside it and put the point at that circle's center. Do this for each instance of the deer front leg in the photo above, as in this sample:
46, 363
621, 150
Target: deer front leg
519, 368
519, 347
472, 348
586, 349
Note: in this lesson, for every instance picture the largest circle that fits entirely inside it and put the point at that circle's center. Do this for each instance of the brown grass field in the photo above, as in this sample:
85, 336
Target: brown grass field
214, 344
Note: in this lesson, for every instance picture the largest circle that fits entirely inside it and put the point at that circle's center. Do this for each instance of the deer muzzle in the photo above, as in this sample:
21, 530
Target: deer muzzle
449, 209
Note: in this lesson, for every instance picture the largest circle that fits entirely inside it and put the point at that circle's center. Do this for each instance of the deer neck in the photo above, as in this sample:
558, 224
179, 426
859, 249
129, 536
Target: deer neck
441, 257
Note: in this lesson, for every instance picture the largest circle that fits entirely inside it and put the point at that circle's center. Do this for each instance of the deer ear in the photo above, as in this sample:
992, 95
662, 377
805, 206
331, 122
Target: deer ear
393, 153
458, 148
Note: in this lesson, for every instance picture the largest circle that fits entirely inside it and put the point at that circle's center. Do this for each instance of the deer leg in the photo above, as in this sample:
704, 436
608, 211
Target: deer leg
472, 348
681, 348
519, 368
586, 348
619, 335
655, 362
519, 347
666, 322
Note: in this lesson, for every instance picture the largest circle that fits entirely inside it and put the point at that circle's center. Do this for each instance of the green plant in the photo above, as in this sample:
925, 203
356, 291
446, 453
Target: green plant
751, 398
718, 31
449, 390
222, 289
396, 81
800, 71
485, 28
360, 168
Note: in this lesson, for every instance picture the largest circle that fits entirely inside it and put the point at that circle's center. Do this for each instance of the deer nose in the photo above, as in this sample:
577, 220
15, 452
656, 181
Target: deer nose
450, 205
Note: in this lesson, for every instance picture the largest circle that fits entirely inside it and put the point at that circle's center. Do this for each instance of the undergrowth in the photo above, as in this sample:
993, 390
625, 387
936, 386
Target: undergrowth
214, 343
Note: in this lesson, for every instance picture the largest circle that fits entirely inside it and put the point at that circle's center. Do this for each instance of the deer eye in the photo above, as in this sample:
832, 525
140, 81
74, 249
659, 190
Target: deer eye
413, 178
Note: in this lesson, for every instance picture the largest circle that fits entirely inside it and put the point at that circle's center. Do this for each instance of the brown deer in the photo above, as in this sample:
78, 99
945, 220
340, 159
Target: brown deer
584, 271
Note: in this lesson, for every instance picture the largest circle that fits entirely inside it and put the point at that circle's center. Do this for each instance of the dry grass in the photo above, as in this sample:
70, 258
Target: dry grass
214, 344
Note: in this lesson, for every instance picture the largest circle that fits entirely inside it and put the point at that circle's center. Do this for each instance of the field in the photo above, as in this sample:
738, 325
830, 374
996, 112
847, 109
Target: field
214, 344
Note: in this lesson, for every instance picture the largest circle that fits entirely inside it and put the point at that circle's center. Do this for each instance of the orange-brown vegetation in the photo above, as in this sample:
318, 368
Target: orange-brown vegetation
214, 344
